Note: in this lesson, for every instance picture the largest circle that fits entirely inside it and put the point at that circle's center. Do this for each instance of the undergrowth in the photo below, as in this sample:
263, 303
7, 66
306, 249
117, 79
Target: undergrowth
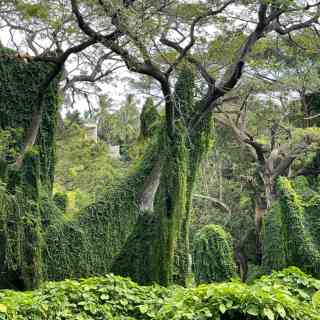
287, 294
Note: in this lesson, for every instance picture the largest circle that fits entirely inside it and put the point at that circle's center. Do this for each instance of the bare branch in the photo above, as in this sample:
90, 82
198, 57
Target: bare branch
286, 30
215, 201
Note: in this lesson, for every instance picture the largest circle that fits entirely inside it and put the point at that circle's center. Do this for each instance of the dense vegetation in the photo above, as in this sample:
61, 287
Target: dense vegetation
289, 294
199, 181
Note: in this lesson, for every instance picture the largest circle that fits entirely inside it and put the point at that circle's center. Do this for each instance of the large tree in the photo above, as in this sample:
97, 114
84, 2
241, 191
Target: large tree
157, 39
149, 31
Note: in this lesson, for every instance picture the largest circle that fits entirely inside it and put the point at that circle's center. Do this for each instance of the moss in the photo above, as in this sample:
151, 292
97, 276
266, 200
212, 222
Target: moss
213, 255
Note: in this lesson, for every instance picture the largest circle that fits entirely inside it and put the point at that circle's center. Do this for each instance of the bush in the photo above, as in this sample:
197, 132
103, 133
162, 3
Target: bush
289, 294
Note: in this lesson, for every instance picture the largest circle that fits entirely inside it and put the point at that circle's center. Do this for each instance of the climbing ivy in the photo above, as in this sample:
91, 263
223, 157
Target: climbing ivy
18, 89
109, 234
198, 143
273, 251
149, 119
89, 242
213, 255
291, 228
21, 227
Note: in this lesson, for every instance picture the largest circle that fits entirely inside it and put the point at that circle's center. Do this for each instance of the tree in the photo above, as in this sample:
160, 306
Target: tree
84, 167
177, 153
35, 21
140, 59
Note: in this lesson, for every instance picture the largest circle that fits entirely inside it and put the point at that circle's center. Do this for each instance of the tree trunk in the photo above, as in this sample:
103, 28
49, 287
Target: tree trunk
270, 189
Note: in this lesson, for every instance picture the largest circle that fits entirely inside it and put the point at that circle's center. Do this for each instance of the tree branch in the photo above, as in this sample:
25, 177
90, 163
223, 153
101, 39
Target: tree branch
215, 201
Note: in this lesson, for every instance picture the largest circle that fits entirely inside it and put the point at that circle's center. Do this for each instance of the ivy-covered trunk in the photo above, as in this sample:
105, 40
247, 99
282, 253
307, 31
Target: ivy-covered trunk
171, 258
170, 249
290, 233
124, 231
158, 249
170, 208
20, 213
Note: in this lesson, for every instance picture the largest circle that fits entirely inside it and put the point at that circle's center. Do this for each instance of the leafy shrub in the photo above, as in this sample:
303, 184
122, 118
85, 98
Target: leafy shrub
294, 280
288, 294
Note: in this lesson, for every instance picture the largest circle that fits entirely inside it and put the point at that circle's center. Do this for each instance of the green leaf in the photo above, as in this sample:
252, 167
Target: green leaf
253, 310
104, 297
222, 308
280, 309
268, 313
316, 299
3, 308
143, 309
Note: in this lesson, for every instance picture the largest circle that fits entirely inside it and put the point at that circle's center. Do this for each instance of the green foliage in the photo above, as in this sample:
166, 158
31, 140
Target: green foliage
89, 242
289, 294
167, 239
83, 167
300, 247
18, 92
184, 94
298, 283
21, 228
61, 200
108, 297
273, 251
213, 255
254, 272
170, 206
149, 119
119, 127
291, 228
36, 10
3, 170
8, 143
21, 210
197, 144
